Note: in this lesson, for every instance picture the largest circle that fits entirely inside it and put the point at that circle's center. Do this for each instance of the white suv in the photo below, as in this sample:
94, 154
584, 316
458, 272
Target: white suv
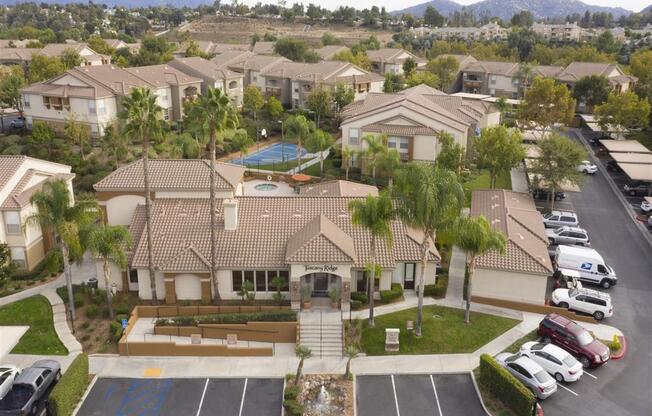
568, 235
556, 219
589, 301
587, 167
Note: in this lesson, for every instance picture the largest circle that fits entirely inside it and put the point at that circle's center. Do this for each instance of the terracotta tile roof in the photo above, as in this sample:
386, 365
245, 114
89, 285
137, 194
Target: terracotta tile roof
20, 196
9, 165
325, 71
203, 67
327, 52
172, 174
391, 55
17, 54
188, 260
253, 62
264, 48
576, 70
266, 226
56, 49
231, 57
399, 130
162, 75
338, 188
493, 67
323, 240
515, 215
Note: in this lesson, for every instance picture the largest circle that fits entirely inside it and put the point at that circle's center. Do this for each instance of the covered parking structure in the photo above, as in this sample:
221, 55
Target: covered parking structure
638, 172
636, 158
624, 146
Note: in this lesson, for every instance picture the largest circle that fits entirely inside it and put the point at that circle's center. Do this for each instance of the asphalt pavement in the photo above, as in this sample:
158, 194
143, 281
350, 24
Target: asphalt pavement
622, 387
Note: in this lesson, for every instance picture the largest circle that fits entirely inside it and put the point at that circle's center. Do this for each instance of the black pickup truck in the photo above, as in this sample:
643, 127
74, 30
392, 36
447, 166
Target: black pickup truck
30, 388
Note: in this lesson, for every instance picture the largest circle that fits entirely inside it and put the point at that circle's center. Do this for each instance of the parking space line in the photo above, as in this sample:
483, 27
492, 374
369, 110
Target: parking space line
244, 391
567, 389
201, 401
398, 413
590, 375
432, 381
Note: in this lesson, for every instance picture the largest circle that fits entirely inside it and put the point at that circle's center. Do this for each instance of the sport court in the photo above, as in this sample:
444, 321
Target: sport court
276, 153
184, 396
417, 395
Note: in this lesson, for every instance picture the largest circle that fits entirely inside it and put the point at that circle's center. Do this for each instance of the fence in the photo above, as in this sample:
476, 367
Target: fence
530, 307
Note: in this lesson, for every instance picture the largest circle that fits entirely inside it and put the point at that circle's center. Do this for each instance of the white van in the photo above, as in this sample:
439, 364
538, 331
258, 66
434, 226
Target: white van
588, 263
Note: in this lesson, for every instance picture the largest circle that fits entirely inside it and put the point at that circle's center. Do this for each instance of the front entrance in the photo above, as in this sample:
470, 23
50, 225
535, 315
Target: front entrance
408, 279
322, 283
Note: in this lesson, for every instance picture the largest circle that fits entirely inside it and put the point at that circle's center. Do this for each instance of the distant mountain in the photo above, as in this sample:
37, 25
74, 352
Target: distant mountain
647, 9
505, 9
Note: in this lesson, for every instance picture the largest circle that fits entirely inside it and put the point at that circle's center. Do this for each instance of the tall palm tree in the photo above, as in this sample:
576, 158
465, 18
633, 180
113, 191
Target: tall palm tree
389, 162
347, 157
108, 242
475, 236
142, 121
430, 199
376, 147
213, 113
375, 213
299, 129
524, 76
56, 214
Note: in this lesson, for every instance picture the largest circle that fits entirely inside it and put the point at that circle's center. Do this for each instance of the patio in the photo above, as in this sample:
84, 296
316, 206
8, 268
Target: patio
259, 187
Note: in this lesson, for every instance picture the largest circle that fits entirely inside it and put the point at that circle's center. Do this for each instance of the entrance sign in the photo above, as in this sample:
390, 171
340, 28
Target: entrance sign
195, 339
231, 339
325, 268
391, 339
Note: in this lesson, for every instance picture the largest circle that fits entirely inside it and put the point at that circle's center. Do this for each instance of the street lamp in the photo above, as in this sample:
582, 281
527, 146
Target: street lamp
282, 142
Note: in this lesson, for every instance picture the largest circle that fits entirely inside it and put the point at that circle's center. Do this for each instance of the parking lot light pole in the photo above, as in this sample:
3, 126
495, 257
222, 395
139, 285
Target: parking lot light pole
282, 141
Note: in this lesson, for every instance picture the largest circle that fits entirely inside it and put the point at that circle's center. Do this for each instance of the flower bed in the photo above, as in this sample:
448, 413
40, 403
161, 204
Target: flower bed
229, 318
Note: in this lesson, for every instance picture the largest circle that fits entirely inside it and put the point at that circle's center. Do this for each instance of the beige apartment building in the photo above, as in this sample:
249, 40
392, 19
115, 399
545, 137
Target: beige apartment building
567, 32
489, 31
212, 75
20, 178
391, 60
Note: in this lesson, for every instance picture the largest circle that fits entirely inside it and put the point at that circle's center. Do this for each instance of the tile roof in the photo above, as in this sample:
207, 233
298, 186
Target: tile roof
576, 70
254, 62
205, 68
9, 165
515, 215
493, 67
21, 195
56, 49
266, 226
320, 239
263, 48
162, 75
172, 174
327, 52
231, 57
188, 260
391, 55
326, 71
398, 129
462, 60
338, 188
17, 54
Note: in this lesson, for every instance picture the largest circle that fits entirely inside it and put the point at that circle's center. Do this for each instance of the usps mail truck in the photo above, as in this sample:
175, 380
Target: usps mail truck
588, 263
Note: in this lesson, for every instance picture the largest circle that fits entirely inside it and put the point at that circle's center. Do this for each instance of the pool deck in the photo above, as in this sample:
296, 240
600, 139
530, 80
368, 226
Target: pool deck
283, 189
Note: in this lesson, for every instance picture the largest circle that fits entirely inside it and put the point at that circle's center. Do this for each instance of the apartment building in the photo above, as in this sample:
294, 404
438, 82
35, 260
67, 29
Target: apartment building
89, 57
489, 31
327, 52
617, 78
20, 178
567, 32
249, 65
391, 60
212, 75
413, 119
500, 79
92, 95
463, 61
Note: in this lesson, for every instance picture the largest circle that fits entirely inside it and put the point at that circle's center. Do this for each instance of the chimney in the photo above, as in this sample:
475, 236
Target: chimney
230, 207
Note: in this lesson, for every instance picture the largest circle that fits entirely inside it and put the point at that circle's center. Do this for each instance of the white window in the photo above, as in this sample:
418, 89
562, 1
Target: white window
101, 108
91, 107
18, 256
26, 103
354, 136
164, 96
12, 222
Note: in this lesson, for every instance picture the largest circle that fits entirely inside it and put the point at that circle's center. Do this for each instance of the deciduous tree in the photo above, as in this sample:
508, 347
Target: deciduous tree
253, 100
274, 108
546, 103
320, 101
445, 68
498, 149
591, 90
623, 111
319, 141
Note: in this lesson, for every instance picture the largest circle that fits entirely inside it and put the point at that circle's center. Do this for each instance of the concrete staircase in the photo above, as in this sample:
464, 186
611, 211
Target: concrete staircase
322, 333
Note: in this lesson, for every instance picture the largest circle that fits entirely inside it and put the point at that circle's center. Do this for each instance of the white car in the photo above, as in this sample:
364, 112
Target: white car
585, 300
587, 167
557, 362
528, 372
7, 375
557, 219
646, 206
568, 235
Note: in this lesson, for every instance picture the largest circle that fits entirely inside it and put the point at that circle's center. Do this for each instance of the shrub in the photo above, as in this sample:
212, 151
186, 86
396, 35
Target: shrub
505, 386
121, 308
92, 311
53, 262
390, 295
230, 318
615, 345
99, 297
120, 316
291, 392
115, 331
78, 299
438, 290
67, 392
360, 297
292, 408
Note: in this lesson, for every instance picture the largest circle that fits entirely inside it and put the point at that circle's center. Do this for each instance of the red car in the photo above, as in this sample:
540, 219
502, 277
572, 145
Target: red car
573, 338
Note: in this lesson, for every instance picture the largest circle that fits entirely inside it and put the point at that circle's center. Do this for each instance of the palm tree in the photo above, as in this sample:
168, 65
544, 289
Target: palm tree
56, 214
389, 162
242, 141
351, 352
108, 243
213, 113
430, 200
376, 147
475, 236
142, 117
319, 141
375, 213
303, 353
523, 76
347, 157
298, 128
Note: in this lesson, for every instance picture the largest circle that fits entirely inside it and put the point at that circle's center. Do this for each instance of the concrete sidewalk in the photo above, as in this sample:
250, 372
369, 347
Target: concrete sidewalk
519, 179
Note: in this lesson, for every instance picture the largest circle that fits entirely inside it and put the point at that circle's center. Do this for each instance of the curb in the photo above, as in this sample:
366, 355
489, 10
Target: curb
623, 349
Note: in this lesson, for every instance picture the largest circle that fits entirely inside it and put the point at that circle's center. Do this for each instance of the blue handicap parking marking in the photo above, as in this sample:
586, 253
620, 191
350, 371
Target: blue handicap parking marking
144, 398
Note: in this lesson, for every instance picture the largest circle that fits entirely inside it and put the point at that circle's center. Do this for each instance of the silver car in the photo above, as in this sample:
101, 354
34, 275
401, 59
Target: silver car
568, 235
528, 372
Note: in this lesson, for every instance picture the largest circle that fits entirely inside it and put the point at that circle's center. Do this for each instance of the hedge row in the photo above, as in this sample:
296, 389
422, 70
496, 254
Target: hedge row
69, 390
390, 295
230, 318
50, 265
290, 403
360, 297
502, 384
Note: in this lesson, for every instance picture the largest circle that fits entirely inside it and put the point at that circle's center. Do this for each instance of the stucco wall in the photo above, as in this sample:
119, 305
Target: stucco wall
187, 287
116, 275
518, 287
120, 209
144, 291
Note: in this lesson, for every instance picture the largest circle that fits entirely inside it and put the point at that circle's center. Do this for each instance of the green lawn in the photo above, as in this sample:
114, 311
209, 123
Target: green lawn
516, 346
480, 180
444, 331
40, 338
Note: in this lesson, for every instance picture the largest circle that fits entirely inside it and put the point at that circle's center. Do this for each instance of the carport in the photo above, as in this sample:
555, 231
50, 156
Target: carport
624, 146
418, 395
639, 158
638, 172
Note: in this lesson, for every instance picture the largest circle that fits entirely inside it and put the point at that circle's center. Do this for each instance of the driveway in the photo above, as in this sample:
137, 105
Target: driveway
416, 395
184, 396
622, 387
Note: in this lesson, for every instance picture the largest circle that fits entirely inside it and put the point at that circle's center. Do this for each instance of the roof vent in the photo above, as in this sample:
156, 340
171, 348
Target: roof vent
521, 236
343, 213
296, 213
494, 206
495, 221
266, 213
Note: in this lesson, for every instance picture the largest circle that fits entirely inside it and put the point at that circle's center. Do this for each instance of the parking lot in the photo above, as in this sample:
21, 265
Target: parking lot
189, 396
417, 394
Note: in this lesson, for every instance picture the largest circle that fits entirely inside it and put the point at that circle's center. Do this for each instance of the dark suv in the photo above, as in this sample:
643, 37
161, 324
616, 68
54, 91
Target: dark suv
637, 189
574, 339
545, 194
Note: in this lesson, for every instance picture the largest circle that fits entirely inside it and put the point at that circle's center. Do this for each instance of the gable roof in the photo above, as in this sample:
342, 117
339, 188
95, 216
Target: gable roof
256, 62
188, 260
515, 215
338, 188
326, 71
320, 241
21, 195
205, 68
462, 60
577, 70
263, 48
391, 55
162, 75
172, 174
9, 165
327, 52
17, 54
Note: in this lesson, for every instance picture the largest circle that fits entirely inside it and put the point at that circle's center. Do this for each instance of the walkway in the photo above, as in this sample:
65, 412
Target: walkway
519, 180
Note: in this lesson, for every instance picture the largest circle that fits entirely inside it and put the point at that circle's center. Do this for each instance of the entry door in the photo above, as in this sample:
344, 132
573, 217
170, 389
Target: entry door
320, 284
408, 280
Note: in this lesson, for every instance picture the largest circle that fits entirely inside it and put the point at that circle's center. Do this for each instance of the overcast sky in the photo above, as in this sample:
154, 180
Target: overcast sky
635, 5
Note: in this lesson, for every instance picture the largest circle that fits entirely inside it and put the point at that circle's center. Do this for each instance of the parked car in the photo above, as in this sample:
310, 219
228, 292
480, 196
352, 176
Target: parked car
587, 167
612, 166
557, 362
637, 189
557, 219
7, 375
646, 206
30, 388
528, 372
570, 336
584, 300
588, 263
545, 194
17, 123
568, 235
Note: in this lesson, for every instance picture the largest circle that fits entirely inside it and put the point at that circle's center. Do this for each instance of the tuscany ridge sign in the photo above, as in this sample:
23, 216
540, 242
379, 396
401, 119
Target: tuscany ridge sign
324, 268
